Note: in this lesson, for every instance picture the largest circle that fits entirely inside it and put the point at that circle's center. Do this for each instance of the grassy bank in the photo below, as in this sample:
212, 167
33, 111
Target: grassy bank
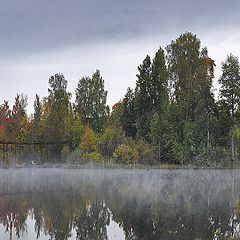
114, 165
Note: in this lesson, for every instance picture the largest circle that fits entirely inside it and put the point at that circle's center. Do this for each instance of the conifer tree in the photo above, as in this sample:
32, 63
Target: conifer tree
143, 100
159, 92
128, 118
37, 111
151, 94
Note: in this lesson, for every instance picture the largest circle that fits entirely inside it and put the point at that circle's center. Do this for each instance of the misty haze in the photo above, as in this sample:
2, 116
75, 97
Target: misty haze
119, 204
119, 120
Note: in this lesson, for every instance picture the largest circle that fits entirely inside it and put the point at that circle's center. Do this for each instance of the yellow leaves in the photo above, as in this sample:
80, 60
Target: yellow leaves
65, 151
26, 129
90, 145
135, 155
123, 153
94, 156
87, 140
46, 109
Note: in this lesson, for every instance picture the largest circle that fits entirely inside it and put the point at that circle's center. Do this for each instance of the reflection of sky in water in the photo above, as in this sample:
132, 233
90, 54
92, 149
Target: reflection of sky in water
114, 232
29, 235
115, 204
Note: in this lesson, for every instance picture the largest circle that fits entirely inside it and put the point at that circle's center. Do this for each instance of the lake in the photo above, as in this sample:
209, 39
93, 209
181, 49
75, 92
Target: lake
119, 204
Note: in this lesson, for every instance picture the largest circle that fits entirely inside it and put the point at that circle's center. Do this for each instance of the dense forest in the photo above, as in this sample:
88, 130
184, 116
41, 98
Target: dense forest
172, 115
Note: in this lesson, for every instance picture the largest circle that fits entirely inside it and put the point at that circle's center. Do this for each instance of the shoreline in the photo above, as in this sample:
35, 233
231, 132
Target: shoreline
116, 166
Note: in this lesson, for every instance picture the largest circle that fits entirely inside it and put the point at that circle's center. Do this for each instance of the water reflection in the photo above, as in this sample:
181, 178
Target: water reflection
85, 204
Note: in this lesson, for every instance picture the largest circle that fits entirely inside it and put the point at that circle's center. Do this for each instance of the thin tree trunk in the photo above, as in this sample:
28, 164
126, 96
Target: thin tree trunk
159, 152
233, 142
232, 135
208, 134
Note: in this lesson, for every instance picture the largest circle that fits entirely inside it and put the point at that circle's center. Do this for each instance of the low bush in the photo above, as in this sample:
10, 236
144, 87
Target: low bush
214, 157
123, 153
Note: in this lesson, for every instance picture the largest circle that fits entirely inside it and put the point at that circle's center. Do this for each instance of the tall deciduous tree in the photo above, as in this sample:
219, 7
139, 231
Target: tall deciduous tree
204, 98
183, 62
191, 82
92, 97
230, 87
59, 110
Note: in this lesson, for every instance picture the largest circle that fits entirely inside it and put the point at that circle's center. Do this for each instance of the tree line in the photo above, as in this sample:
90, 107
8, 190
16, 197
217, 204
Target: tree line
171, 116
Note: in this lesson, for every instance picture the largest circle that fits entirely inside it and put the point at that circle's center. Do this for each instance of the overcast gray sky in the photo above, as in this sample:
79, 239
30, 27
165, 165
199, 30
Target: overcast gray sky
39, 38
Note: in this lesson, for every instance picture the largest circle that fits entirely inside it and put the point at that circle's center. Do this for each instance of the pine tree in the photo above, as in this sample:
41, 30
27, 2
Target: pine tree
37, 111
151, 93
159, 91
128, 118
143, 101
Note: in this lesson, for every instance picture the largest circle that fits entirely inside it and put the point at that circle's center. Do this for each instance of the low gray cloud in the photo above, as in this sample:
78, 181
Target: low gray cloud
75, 37
31, 26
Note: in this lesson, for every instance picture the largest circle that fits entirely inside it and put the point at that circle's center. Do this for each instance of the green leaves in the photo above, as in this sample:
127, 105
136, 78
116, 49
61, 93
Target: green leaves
78, 131
91, 101
183, 57
60, 117
230, 81
230, 87
151, 92
128, 117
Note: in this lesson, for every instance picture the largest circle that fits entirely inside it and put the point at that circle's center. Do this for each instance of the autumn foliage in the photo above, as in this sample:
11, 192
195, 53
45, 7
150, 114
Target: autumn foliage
90, 145
211, 65
171, 116
11, 121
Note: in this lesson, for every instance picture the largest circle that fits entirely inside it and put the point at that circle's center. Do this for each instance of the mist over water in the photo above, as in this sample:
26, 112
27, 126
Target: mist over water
119, 204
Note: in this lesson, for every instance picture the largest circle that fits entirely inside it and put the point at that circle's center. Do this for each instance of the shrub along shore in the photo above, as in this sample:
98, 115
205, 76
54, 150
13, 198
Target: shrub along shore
114, 165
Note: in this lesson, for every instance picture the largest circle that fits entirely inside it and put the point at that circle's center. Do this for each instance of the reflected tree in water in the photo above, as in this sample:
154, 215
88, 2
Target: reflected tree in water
170, 205
91, 222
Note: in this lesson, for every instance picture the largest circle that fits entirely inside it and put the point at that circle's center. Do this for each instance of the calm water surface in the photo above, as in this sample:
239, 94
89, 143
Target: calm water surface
119, 204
